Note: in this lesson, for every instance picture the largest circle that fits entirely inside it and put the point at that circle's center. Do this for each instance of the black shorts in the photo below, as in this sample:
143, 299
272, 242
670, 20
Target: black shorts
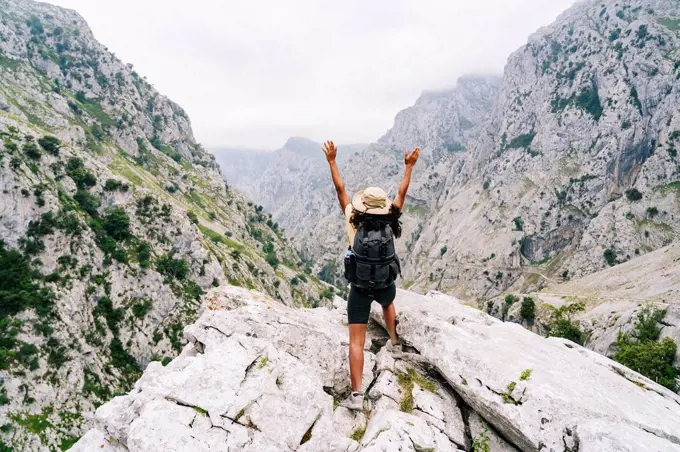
359, 302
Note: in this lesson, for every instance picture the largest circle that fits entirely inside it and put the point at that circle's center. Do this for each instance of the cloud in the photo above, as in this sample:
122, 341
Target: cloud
252, 73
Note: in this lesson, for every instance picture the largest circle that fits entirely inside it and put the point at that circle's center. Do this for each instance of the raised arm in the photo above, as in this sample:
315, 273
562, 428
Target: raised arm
410, 160
331, 151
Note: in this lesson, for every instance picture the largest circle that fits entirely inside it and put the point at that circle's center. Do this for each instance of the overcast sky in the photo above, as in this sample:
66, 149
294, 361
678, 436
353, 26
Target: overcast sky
254, 72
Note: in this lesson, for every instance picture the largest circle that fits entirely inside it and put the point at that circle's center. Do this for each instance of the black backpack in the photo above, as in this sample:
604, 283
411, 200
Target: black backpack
372, 261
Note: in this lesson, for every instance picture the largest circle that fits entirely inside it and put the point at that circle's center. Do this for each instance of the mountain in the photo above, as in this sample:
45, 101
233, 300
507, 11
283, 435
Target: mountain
300, 193
114, 222
273, 178
577, 169
465, 382
564, 167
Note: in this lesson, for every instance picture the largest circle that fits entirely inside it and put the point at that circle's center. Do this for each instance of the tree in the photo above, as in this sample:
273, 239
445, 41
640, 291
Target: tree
87, 201
50, 144
642, 351
192, 217
610, 256
144, 254
32, 151
633, 194
652, 359
116, 223
562, 324
76, 170
528, 309
174, 268
272, 260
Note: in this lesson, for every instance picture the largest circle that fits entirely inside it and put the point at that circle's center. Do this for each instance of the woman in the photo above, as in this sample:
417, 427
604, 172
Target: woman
368, 209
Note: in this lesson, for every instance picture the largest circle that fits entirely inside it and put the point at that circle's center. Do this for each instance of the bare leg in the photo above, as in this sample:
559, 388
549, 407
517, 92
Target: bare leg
357, 339
390, 315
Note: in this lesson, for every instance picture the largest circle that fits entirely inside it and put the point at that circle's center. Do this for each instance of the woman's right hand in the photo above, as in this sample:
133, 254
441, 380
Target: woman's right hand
330, 150
410, 159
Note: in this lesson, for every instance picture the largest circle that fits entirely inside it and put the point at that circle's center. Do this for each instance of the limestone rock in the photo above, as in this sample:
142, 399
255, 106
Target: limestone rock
286, 366
483, 360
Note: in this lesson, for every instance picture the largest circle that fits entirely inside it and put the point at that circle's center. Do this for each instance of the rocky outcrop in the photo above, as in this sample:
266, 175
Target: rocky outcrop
462, 373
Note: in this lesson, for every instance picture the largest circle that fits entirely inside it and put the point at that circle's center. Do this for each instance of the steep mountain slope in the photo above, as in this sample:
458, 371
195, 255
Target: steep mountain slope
466, 382
578, 167
299, 192
284, 181
113, 224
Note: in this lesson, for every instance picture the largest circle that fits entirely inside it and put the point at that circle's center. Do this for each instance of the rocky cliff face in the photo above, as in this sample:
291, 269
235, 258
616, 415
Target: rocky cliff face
113, 224
466, 380
577, 169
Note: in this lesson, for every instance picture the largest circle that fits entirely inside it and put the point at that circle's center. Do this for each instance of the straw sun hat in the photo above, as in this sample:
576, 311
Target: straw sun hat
373, 200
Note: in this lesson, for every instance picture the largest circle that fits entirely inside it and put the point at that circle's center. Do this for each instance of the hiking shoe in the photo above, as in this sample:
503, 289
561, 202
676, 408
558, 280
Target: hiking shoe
354, 402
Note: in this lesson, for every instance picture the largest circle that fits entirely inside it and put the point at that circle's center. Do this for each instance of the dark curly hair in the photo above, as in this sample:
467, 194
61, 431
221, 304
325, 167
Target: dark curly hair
375, 222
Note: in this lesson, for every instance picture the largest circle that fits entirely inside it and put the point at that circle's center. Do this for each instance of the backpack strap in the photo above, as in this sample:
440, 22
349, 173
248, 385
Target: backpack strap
364, 241
383, 242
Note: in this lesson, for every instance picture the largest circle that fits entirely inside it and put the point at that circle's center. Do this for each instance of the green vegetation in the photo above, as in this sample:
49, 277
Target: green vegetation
525, 375
522, 141
528, 309
122, 360
35, 423
19, 288
116, 223
144, 254
264, 362
509, 301
192, 217
113, 316
633, 194
31, 150
480, 443
519, 224
587, 100
455, 147
83, 177
673, 24
642, 351
272, 259
406, 381
358, 434
327, 293
172, 268
562, 325
142, 307
610, 257
50, 144
87, 201
635, 99
115, 185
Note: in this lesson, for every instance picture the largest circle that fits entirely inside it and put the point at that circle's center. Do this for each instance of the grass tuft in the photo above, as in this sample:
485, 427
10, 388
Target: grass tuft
358, 434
